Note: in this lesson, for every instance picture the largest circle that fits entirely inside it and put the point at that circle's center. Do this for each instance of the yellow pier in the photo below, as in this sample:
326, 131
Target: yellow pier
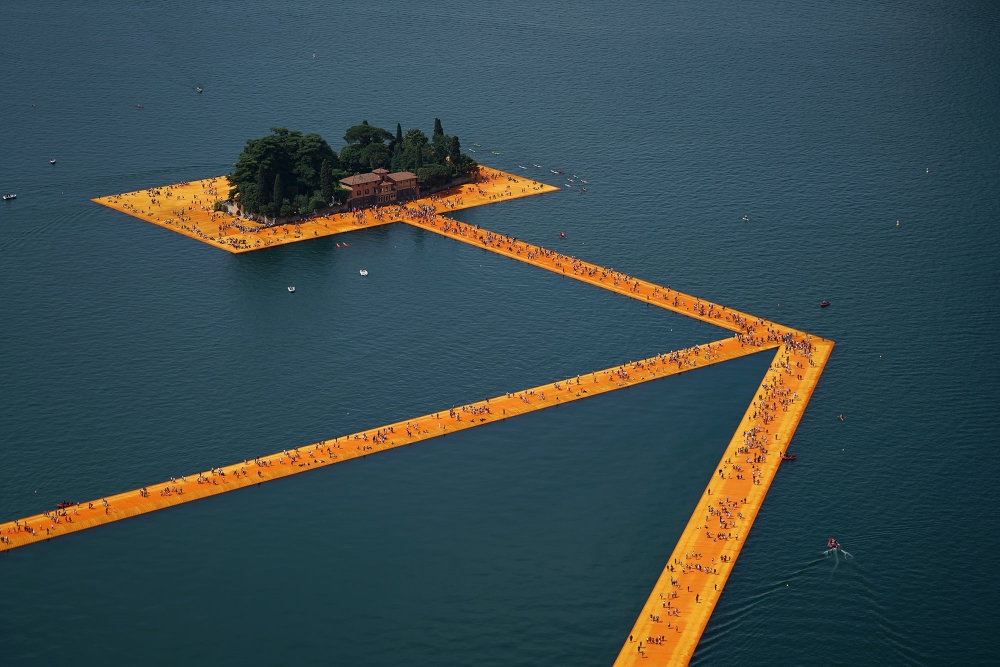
344, 448
672, 620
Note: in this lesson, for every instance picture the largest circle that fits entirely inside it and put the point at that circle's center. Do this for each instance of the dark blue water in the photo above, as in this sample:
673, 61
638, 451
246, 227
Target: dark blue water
131, 354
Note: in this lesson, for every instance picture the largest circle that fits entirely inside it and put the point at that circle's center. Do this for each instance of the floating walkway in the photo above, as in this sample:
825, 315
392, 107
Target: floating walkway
261, 469
675, 615
672, 620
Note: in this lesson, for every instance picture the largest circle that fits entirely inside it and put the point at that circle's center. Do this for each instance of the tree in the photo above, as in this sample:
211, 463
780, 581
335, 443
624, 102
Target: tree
375, 156
325, 181
455, 154
438, 130
399, 134
278, 198
364, 134
297, 159
432, 175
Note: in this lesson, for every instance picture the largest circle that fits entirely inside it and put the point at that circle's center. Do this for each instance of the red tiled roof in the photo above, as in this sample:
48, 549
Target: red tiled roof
361, 179
402, 176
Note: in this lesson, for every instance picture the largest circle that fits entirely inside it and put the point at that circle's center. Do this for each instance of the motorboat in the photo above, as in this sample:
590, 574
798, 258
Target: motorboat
477, 145
363, 272
824, 304
521, 166
496, 152
562, 235
557, 171
832, 544
64, 505
746, 218
52, 161
537, 165
291, 288
787, 457
9, 196
139, 106
199, 88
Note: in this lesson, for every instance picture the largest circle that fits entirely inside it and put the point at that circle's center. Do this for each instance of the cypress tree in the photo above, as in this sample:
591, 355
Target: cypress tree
279, 195
326, 181
438, 130
455, 154
420, 156
399, 134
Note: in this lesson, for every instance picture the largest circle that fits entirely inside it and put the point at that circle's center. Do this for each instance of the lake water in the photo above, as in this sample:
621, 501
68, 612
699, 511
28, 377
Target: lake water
131, 354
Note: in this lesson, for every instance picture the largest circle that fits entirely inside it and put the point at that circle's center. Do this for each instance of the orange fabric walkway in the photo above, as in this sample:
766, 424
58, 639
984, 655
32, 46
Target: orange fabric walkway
186, 208
674, 616
328, 452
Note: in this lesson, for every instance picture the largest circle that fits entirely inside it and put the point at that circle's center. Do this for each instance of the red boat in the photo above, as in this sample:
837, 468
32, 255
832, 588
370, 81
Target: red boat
562, 235
832, 544
787, 457
64, 505
824, 304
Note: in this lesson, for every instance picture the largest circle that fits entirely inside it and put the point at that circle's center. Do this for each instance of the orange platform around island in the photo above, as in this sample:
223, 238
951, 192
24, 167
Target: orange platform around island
672, 620
187, 208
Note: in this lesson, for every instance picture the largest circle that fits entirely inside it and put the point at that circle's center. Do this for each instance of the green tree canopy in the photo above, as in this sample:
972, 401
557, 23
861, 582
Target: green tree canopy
364, 134
283, 158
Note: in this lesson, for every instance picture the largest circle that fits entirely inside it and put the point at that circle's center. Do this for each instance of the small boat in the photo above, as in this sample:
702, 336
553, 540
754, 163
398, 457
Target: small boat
9, 197
787, 457
472, 150
199, 88
496, 152
582, 190
567, 185
832, 544
537, 165
557, 171
52, 161
582, 181
562, 235
139, 106
291, 288
477, 145
64, 505
824, 304
346, 246
363, 272
746, 218
521, 166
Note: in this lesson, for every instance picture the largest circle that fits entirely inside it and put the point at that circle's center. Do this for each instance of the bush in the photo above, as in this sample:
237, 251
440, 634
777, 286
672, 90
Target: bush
286, 211
219, 206
433, 175
317, 202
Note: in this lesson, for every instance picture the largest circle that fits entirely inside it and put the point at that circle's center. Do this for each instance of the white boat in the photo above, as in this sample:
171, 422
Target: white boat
9, 197
291, 288
363, 272
522, 166
537, 165
199, 88
52, 161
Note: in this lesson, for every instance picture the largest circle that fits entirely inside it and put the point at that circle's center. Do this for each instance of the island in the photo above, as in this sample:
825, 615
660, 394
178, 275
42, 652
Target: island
288, 187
